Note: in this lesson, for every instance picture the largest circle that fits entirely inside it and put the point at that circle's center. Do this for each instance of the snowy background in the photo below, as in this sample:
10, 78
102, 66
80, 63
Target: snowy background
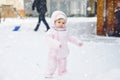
23, 53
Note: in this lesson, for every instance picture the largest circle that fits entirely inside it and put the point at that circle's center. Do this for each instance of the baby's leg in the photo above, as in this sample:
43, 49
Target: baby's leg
52, 64
61, 66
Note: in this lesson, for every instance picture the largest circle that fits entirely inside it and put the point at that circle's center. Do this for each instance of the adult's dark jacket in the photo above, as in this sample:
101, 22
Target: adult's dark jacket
40, 6
118, 15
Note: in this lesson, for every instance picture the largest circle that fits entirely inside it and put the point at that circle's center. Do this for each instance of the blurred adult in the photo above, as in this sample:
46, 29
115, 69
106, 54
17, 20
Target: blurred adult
41, 8
117, 14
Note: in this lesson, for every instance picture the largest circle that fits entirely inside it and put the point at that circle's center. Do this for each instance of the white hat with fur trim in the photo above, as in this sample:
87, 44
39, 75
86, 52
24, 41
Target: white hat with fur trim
57, 15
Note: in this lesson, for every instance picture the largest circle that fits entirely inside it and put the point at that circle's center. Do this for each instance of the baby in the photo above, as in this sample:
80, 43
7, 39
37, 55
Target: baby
57, 39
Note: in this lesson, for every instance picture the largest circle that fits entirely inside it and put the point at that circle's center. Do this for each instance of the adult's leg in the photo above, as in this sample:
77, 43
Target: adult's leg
118, 29
45, 22
38, 24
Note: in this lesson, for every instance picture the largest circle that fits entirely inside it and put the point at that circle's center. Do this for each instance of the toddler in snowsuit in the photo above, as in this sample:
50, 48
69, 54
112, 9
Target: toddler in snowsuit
57, 39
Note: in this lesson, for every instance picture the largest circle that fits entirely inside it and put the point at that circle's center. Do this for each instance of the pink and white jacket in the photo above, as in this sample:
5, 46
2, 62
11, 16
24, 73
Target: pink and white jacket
57, 40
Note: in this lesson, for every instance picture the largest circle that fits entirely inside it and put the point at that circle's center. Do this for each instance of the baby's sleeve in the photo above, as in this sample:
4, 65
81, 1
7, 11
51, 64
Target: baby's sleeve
74, 40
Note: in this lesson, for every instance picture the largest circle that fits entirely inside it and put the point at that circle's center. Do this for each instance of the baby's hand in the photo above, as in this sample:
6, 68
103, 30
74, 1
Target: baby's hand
80, 44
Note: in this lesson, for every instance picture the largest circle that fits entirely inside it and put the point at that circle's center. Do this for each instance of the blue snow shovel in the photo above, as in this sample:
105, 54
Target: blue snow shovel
16, 28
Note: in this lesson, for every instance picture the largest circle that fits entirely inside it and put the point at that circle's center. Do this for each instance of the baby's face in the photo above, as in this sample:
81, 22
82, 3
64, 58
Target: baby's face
60, 23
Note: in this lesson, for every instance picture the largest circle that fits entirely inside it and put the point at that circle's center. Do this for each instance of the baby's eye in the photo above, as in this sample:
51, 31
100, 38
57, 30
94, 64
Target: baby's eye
59, 22
63, 23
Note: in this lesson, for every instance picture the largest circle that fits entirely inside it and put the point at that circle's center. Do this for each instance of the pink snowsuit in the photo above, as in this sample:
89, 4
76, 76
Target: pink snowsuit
58, 49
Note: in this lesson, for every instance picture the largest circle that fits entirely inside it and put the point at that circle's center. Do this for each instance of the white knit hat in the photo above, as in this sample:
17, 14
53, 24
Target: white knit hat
56, 15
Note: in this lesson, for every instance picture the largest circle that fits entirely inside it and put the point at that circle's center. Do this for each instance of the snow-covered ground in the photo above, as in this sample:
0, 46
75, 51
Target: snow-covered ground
23, 53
